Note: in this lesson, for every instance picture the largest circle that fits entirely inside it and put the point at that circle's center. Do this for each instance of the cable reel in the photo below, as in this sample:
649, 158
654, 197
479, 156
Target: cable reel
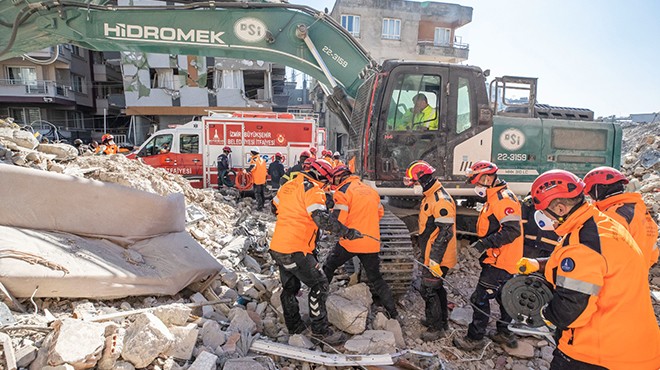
523, 296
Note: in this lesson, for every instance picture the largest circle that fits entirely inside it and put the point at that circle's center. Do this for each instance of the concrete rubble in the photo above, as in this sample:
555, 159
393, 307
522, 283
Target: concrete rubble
166, 333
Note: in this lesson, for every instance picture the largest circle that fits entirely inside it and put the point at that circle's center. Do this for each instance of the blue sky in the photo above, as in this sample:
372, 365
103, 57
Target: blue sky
600, 55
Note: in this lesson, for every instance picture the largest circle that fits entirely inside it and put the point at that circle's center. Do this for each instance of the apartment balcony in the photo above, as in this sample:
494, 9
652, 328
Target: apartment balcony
106, 73
451, 53
39, 91
113, 104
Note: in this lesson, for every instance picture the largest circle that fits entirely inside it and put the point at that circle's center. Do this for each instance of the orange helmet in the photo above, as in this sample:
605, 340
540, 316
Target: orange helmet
479, 169
602, 176
416, 170
321, 169
555, 184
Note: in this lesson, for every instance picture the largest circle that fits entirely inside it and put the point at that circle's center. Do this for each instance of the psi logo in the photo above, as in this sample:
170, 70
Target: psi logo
250, 29
512, 139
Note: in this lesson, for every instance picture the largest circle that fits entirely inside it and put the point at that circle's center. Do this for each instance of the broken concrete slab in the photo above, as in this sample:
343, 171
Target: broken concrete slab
146, 338
241, 321
300, 341
185, 338
461, 315
524, 350
205, 361
372, 342
394, 327
346, 315
212, 334
173, 314
358, 293
77, 343
244, 363
25, 355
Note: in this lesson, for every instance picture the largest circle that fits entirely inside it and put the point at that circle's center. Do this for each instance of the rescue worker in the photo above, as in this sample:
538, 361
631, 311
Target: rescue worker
276, 171
357, 206
437, 240
258, 170
537, 243
499, 228
301, 212
82, 148
293, 171
423, 116
601, 306
312, 151
337, 159
223, 163
606, 186
108, 145
327, 156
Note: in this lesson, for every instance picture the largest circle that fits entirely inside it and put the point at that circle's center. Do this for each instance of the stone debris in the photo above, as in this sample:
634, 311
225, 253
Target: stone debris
169, 335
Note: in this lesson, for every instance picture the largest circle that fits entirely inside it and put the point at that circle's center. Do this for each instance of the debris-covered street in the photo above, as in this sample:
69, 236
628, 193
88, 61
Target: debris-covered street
225, 321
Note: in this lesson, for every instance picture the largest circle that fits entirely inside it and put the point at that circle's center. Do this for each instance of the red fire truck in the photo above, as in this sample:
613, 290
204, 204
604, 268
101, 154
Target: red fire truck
191, 149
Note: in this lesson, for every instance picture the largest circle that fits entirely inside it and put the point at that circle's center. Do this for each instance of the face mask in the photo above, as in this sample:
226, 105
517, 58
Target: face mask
544, 222
480, 190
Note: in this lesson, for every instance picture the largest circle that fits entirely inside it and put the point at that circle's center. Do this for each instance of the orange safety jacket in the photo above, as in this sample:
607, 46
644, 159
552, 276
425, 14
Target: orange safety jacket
602, 302
295, 231
500, 228
258, 169
437, 208
339, 162
107, 149
359, 208
630, 211
329, 160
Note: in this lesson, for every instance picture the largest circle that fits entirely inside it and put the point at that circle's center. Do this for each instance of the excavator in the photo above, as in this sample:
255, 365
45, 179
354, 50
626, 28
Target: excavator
472, 120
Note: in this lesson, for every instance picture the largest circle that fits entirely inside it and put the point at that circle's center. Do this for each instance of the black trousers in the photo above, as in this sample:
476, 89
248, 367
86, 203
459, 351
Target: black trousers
435, 300
371, 262
294, 269
259, 195
562, 362
490, 285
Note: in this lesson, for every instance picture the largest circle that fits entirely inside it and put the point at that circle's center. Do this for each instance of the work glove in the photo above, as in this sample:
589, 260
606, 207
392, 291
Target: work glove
352, 234
527, 266
434, 267
479, 245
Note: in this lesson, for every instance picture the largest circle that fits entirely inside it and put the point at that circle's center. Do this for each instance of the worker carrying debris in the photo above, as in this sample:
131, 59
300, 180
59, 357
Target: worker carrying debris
293, 171
499, 227
437, 240
357, 205
301, 212
258, 170
602, 303
606, 186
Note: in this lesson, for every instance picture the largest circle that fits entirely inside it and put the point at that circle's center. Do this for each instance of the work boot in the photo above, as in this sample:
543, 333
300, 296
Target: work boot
468, 344
330, 337
505, 338
432, 335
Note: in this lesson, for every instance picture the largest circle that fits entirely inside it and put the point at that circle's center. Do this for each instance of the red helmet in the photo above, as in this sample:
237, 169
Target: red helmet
555, 184
340, 171
312, 150
416, 170
226, 149
602, 176
305, 153
479, 169
278, 155
308, 164
106, 138
322, 169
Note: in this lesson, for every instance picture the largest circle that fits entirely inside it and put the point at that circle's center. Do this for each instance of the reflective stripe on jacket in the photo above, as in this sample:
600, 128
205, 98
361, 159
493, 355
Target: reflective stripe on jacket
437, 208
359, 208
602, 302
259, 170
630, 211
500, 227
295, 231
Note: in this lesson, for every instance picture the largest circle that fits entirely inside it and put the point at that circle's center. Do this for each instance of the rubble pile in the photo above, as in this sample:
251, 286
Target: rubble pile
217, 326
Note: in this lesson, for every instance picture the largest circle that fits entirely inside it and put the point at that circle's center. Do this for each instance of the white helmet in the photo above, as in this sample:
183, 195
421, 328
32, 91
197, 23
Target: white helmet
336, 154
255, 149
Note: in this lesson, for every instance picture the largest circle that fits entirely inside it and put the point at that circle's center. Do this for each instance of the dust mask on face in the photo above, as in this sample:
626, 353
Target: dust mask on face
544, 222
480, 190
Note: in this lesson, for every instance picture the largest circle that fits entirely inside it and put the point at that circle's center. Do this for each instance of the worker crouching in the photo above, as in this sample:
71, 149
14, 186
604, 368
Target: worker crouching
357, 206
301, 212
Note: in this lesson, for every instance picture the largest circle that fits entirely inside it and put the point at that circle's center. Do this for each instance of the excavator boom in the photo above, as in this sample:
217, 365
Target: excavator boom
258, 31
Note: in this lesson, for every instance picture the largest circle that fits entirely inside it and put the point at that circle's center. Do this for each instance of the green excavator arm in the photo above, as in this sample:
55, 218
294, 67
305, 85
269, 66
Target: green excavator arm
271, 32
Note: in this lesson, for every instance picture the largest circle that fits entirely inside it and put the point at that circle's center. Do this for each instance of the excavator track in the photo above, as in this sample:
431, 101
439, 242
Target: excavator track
396, 251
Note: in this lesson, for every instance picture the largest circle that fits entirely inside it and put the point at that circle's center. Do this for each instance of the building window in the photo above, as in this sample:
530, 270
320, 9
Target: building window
78, 120
442, 36
22, 75
78, 83
391, 29
77, 51
463, 109
25, 115
352, 24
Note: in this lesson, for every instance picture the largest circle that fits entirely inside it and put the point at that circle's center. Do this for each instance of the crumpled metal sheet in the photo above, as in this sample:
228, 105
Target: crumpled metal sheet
649, 158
